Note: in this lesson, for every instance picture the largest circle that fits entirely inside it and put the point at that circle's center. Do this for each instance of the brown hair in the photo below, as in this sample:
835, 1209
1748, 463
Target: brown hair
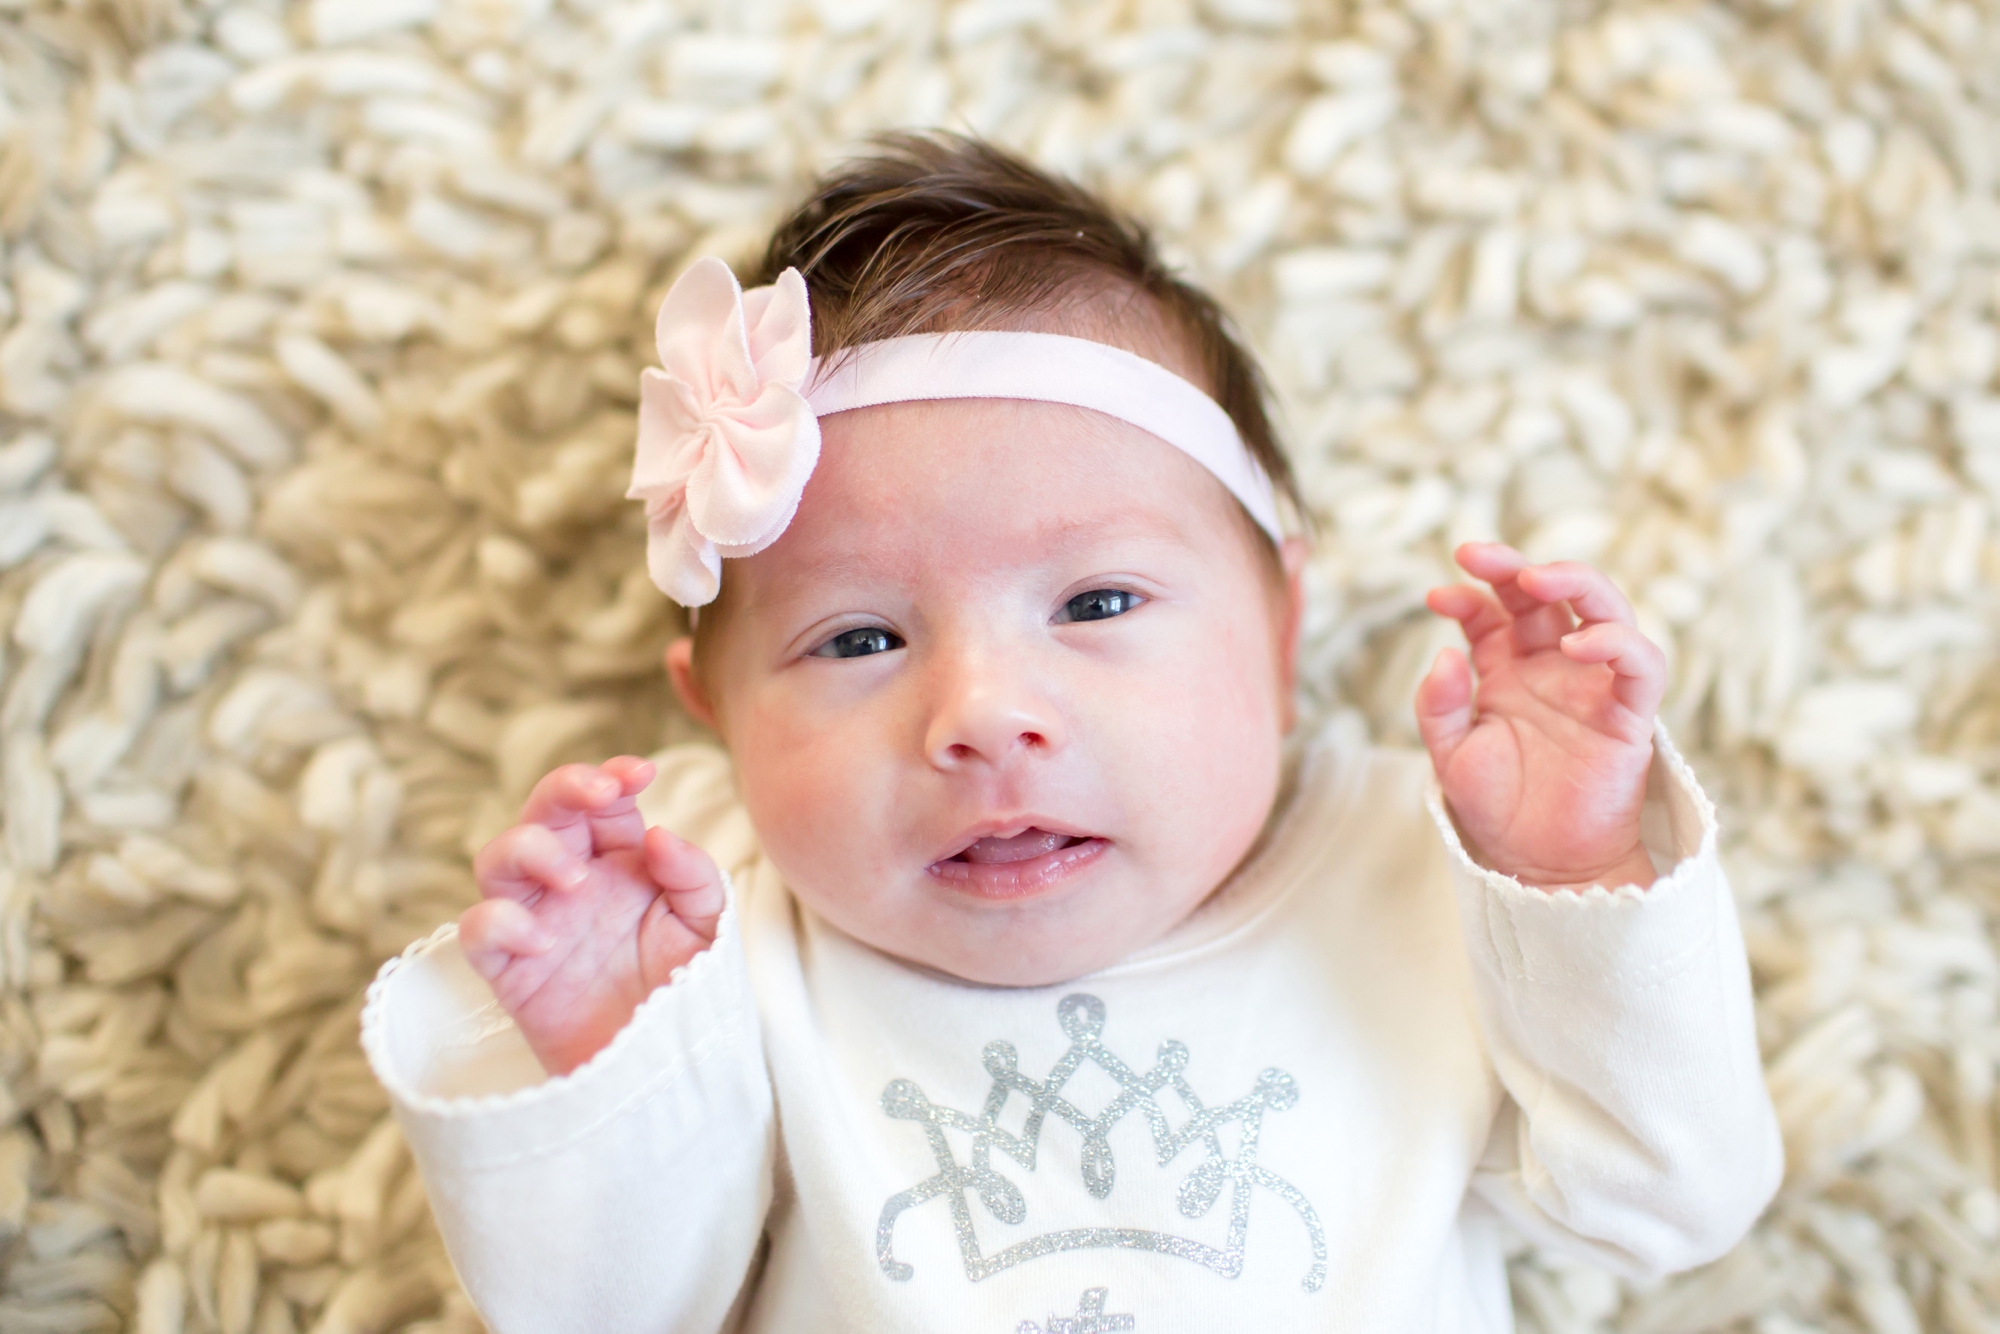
939, 232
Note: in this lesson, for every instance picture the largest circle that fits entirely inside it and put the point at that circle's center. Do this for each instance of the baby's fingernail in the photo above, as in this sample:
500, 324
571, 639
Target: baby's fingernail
572, 874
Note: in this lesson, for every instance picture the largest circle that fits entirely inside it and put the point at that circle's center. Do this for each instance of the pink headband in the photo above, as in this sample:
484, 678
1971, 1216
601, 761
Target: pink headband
729, 428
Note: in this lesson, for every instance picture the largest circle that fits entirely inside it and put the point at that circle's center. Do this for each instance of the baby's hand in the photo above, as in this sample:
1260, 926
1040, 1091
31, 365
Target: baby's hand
585, 910
1545, 764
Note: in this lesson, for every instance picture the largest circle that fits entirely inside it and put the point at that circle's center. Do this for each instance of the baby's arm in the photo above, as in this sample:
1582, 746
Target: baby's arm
1615, 997
579, 1072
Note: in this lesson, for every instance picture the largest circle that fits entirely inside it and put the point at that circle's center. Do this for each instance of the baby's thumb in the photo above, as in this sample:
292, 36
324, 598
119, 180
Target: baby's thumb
495, 932
1444, 706
688, 878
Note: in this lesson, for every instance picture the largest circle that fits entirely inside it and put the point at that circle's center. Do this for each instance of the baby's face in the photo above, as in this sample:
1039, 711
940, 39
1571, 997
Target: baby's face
1006, 700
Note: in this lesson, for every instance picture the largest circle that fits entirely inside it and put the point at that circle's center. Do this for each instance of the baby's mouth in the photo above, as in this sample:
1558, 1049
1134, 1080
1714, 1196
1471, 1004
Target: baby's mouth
1020, 865
1020, 847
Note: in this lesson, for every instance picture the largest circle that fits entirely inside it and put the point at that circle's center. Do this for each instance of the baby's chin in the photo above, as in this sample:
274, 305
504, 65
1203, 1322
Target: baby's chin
1024, 965
1033, 944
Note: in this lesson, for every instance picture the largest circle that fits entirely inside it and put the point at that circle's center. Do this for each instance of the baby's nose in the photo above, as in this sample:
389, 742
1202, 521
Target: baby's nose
989, 716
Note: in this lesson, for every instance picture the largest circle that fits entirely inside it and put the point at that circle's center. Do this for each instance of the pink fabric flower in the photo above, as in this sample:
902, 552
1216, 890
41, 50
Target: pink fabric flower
726, 439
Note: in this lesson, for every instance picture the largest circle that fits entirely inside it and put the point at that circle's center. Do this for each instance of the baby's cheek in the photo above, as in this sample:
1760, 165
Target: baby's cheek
1195, 737
1205, 744
1213, 691
815, 801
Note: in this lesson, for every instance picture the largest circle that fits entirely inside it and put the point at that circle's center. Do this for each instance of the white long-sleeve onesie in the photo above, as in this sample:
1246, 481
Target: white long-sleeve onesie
1298, 1111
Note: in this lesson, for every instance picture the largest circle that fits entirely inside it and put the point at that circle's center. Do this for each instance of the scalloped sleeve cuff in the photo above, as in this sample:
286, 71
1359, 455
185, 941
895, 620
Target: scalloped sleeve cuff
558, 1196
1563, 937
461, 1073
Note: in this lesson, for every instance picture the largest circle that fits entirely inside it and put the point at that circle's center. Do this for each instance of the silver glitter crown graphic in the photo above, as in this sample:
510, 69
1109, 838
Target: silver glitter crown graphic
1089, 1318
1082, 1020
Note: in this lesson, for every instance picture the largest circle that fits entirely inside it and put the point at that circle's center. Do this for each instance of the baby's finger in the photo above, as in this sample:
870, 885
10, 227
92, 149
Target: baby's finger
1639, 668
632, 773
521, 862
1499, 565
495, 932
1444, 706
619, 824
689, 879
1538, 623
566, 798
1477, 612
1588, 590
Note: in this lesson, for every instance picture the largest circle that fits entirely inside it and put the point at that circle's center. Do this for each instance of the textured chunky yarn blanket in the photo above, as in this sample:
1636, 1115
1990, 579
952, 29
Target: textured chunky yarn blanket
320, 327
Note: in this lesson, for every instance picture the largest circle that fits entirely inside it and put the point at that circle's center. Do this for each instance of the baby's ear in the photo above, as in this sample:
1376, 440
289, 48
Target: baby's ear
687, 682
1292, 553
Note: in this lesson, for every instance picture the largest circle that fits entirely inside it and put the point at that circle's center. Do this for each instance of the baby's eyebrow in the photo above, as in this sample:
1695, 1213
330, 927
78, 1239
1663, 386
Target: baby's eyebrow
1052, 539
835, 567
1070, 533
1054, 536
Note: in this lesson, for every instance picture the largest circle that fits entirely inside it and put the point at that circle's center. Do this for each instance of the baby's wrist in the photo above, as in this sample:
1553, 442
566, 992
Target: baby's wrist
1634, 868
564, 1054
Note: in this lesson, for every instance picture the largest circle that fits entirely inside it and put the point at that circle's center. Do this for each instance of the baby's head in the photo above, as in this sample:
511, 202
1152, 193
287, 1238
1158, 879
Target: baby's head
1006, 698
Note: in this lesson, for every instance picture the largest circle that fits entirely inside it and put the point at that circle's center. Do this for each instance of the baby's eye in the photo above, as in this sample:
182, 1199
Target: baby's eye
1098, 604
858, 643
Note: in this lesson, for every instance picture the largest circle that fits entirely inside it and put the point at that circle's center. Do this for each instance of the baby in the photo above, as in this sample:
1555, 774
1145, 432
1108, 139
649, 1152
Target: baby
1051, 985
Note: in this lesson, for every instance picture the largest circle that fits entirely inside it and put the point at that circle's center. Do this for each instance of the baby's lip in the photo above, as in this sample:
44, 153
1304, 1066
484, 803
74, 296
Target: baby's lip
1012, 839
1017, 859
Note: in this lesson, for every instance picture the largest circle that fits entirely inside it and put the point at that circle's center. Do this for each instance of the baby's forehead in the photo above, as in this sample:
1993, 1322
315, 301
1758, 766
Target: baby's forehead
1005, 481
984, 454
